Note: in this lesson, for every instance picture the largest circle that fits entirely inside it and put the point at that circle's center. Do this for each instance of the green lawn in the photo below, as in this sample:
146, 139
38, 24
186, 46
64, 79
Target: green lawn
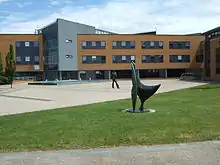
181, 116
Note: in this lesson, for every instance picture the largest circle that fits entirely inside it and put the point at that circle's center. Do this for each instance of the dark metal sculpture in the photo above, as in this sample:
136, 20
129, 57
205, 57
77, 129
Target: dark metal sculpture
138, 89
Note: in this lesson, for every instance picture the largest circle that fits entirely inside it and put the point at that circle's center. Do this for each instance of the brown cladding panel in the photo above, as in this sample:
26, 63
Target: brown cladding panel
7, 39
214, 44
138, 52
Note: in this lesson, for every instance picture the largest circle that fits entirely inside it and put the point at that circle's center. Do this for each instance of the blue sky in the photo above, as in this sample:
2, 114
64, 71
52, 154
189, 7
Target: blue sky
121, 16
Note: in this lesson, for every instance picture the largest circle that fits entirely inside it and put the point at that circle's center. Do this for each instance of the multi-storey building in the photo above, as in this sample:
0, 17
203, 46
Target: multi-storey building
70, 50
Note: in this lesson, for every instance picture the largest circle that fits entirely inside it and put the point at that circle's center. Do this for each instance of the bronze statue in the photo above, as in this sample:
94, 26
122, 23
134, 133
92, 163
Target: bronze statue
139, 89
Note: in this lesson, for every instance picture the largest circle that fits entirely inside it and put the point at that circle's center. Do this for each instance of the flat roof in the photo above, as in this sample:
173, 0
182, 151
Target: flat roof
212, 30
190, 35
19, 34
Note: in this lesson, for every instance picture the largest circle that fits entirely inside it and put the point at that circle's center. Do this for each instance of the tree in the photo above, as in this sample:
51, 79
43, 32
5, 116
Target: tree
1, 65
10, 65
3, 79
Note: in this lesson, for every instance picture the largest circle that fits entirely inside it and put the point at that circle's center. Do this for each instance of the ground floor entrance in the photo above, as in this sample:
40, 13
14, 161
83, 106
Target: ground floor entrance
101, 74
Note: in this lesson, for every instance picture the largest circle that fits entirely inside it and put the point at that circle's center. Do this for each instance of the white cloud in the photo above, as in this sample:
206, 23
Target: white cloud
21, 5
3, 1
131, 16
55, 3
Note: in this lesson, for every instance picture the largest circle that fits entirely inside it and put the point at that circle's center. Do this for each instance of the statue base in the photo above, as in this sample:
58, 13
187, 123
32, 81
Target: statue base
139, 111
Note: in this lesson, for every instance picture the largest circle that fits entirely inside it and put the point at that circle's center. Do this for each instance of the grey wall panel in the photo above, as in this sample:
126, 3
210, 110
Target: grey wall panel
68, 31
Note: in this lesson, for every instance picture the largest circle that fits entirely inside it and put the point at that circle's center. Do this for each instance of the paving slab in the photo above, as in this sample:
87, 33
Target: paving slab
198, 153
24, 98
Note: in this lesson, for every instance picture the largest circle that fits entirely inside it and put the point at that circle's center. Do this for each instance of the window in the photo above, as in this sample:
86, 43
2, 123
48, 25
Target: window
69, 56
160, 44
18, 59
152, 45
36, 58
123, 44
84, 58
93, 45
84, 43
132, 58
36, 43
36, 67
179, 45
93, 59
102, 43
114, 44
132, 43
68, 41
152, 59
179, 58
123, 58
17, 44
27, 44
199, 58
27, 59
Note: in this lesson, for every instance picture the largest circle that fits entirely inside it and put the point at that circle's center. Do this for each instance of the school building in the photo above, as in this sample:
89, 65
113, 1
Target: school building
68, 50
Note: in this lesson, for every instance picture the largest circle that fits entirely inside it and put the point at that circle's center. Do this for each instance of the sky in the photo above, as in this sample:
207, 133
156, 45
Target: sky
119, 16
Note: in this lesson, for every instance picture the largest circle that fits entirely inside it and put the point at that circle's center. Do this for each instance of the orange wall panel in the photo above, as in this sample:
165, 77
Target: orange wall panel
7, 39
138, 52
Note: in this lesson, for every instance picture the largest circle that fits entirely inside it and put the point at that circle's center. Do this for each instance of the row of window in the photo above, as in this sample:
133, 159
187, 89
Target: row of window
128, 58
27, 60
132, 45
27, 44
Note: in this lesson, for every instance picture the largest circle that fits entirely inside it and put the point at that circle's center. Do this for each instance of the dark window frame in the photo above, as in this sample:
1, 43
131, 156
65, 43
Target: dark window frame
23, 51
179, 44
147, 45
117, 59
128, 45
89, 45
174, 58
101, 59
152, 58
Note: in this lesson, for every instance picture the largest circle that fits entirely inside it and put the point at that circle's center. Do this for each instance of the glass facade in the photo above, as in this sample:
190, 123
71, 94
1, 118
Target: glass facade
50, 42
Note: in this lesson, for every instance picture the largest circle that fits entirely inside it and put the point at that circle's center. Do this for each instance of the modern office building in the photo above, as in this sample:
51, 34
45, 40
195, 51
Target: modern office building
70, 50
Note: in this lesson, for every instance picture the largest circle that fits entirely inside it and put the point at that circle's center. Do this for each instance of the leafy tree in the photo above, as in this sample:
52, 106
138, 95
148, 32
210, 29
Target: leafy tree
1, 64
10, 65
3, 79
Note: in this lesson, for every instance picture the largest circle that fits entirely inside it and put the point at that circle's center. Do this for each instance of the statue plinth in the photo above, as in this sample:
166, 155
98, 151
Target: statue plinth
139, 111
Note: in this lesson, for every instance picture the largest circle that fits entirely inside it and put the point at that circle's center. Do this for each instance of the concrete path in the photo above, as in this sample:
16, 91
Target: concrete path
23, 98
203, 153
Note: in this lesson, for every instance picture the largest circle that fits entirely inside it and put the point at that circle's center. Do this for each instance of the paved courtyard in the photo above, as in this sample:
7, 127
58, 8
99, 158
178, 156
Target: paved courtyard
24, 98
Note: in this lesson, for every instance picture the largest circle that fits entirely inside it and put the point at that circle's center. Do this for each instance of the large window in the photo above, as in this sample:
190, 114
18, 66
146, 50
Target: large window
93, 45
93, 59
50, 51
179, 58
123, 44
27, 52
123, 58
152, 59
179, 45
152, 44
